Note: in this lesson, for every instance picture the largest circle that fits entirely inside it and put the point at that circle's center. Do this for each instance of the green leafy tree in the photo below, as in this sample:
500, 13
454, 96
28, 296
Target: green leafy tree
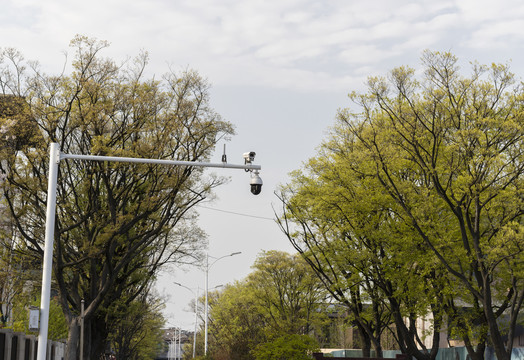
445, 154
287, 347
455, 152
348, 235
351, 235
116, 223
135, 326
281, 297
291, 295
16, 131
10, 287
58, 326
236, 324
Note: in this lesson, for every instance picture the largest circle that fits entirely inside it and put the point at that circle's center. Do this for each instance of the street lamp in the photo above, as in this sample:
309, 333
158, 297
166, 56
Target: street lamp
55, 156
206, 315
172, 352
172, 339
179, 340
196, 315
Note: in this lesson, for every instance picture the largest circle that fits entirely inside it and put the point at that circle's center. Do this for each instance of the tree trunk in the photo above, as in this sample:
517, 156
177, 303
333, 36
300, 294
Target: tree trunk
365, 341
97, 338
496, 338
491, 320
73, 339
378, 349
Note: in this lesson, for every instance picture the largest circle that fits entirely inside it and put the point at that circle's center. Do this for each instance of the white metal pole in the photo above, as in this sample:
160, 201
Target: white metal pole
206, 305
196, 314
179, 342
196, 320
82, 330
54, 159
170, 352
207, 290
160, 161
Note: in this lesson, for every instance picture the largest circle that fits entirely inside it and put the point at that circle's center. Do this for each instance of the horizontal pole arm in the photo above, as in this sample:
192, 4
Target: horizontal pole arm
159, 161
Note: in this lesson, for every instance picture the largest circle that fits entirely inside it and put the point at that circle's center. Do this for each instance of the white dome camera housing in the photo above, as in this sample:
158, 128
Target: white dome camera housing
256, 183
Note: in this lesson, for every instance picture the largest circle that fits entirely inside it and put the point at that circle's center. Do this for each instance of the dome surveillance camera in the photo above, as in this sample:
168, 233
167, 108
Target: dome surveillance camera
256, 184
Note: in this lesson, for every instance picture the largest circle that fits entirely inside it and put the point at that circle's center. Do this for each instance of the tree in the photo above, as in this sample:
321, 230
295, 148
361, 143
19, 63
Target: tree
16, 131
116, 224
288, 347
348, 235
57, 323
10, 284
447, 154
462, 143
280, 298
291, 294
236, 322
136, 326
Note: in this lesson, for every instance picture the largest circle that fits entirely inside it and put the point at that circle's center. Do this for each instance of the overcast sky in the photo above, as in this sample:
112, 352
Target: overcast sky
279, 71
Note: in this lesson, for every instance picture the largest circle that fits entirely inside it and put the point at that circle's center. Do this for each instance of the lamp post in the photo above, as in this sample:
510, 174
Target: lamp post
82, 330
196, 315
206, 315
177, 352
171, 353
55, 156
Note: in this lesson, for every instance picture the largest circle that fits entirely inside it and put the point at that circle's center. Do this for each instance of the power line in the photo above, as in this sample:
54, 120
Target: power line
236, 213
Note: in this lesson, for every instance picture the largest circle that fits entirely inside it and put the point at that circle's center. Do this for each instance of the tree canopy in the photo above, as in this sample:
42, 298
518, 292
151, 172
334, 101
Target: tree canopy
116, 223
281, 302
424, 178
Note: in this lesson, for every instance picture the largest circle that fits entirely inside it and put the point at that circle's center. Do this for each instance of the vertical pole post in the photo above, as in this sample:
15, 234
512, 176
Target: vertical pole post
206, 306
54, 159
180, 343
177, 347
196, 320
82, 330
171, 346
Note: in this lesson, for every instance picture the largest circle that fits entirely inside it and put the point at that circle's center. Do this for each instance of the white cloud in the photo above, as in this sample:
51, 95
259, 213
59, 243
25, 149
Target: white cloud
271, 38
496, 35
492, 25
364, 54
479, 11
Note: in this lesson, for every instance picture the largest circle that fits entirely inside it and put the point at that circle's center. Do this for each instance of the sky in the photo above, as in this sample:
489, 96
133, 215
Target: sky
279, 72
